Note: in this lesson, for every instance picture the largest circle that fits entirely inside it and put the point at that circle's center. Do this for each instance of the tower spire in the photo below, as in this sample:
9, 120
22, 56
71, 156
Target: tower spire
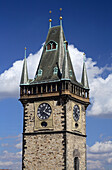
24, 76
60, 17
50, 20
84, 80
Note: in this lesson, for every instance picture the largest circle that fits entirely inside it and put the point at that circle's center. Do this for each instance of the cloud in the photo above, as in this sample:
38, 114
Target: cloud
6, 163
11, 160
99, 156
100, 88
10, 79
19, 145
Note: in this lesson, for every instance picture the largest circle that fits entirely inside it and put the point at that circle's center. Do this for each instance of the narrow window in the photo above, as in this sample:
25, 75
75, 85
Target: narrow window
49, 46
34, 90
53, 45
70, 73
55, 70
76, 163
39, 72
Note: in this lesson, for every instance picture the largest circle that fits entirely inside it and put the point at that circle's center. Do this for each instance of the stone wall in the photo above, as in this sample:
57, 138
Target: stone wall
56, 149
76, 147
44, 152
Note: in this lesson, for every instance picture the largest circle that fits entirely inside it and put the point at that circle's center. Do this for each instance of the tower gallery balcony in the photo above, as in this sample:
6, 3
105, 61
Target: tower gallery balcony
54, 89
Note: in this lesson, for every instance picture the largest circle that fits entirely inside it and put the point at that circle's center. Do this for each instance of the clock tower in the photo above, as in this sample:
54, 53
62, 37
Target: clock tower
54, 102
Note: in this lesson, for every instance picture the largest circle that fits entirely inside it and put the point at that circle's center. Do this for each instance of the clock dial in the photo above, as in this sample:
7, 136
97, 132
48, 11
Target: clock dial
76, 113
44, 111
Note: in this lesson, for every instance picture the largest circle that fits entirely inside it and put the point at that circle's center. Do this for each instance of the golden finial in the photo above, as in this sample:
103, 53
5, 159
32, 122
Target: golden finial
84, 57
60, 17
25, 52
50, 20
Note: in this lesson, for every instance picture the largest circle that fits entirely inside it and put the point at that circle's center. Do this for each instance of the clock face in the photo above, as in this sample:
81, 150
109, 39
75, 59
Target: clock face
44, 111
76, 113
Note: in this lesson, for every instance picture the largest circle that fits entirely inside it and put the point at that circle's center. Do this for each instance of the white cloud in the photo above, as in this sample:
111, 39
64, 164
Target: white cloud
6, 163
19, 145
99, 156
11, 160
101, 147
100, 89
10, 155
10, 79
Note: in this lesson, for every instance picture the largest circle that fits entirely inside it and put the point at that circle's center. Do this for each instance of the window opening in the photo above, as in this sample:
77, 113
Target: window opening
34, 90
76, 163
55, 70
51, 46
70, 73
39, 72
39, 89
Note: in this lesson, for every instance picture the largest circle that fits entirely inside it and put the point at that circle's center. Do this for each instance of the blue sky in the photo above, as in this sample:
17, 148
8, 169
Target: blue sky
88, 28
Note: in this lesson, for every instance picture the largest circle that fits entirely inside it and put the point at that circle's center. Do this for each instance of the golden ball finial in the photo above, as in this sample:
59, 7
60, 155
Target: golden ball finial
60, 17
50, 12
60, 9
50, 20
25, 48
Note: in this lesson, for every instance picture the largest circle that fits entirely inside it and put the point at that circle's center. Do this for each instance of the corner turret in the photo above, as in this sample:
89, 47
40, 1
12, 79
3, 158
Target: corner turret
84, 79
24, 76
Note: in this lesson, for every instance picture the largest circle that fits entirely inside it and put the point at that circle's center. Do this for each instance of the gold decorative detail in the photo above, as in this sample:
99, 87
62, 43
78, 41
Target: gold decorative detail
50, 12
50, 20
83, 53
60, 17
25, 48
60, 9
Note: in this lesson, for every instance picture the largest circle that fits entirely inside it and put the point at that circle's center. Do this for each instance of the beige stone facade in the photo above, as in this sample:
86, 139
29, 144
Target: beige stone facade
54, 147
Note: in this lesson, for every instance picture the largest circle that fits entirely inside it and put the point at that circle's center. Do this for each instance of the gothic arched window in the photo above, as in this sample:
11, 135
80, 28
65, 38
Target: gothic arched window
76, 163
51, 46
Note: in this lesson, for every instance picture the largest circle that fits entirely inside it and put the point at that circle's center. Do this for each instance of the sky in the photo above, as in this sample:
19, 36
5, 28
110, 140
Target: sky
88, 28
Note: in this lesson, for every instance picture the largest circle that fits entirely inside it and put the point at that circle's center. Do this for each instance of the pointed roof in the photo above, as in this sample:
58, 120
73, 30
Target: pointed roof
84, 80
67, 71
49, 58
24, 76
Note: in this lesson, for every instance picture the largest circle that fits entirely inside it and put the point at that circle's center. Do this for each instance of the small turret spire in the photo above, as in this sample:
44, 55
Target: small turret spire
65, 69
24, 76
84, 80
50, 20
60, 17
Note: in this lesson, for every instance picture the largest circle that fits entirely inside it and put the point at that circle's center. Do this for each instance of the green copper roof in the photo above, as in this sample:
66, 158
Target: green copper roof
84, 80
49, 58
24, 76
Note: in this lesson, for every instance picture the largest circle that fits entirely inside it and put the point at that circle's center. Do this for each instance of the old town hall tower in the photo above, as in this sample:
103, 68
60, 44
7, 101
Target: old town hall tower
54, 126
